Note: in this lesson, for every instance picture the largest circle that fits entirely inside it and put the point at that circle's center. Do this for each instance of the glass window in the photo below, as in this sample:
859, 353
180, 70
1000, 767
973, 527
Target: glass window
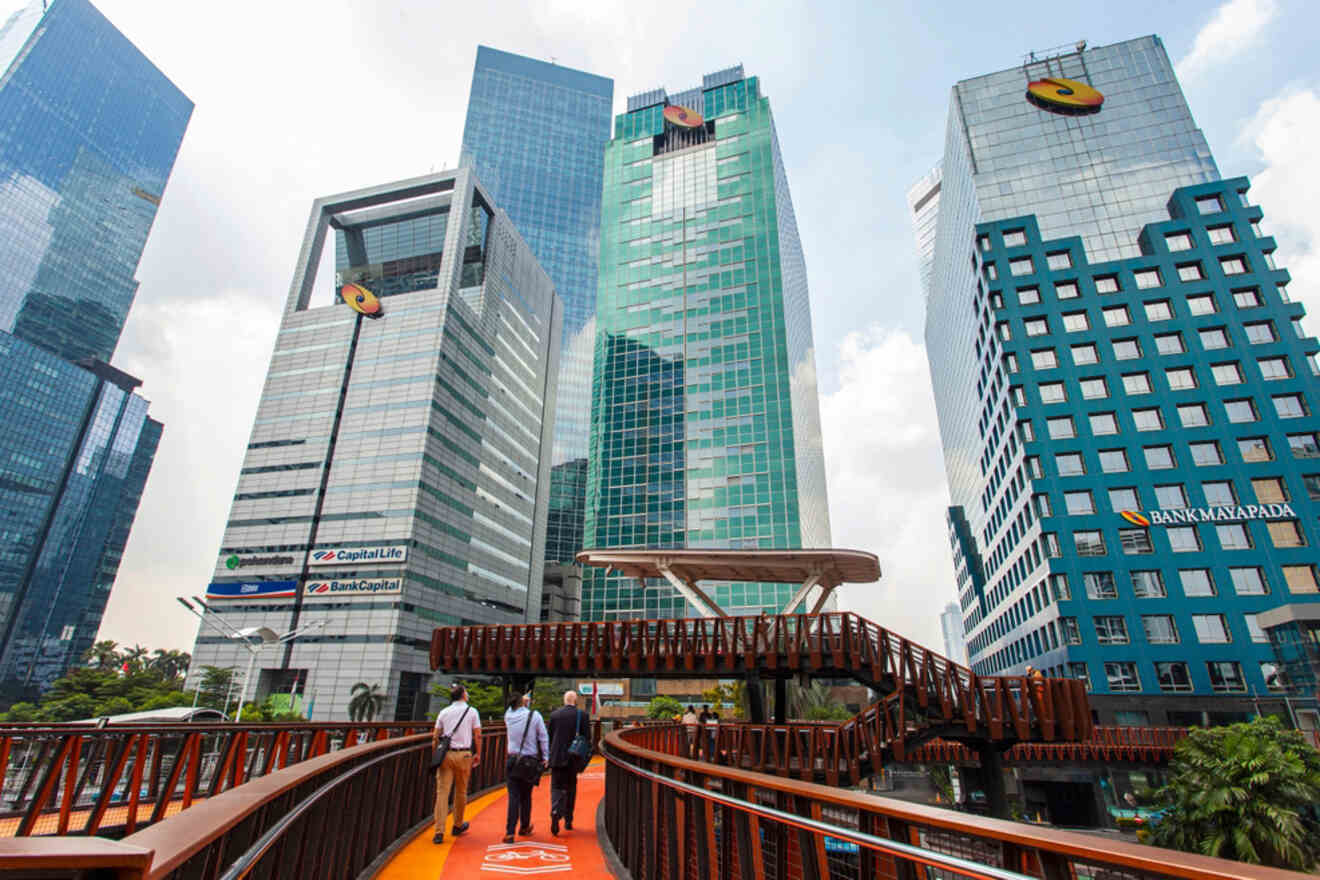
1169, 343
1233, 536
1209, 205
1124, 498
1227, 374
1312, 482
1021, 266
1247, 298
1075, 321
1037, 327
1079, 503
1289, 406
1059, 260
1260, 332
1221, 234
1233, 265
991, 272
1061, 428
1159, 310
1010, 362
1113, 461
1025, 430
1028, 296
1147, 278
1136, 383
1069, 464
1249, 581
1033, 465
1201, 305
983, 242
1219, 493
1178, 241
1196, 582
1100, 585
1183, 539
1065, 289
1304, 445
1255, 449
1059, 584
1014, 238
1135, 541
1269, 490
1122, 677
1193, 415
1103, 423
1226, 677
1148, 584
1213, 337
1158, 457
1300, 578
1005, 332
1089, 543
1210, 629
1274, 368
1160, 629
1117, 316
1171, 497
1297, 328
1111, 629
1206, 454
1286, 533
1190, 272
1240, 411
1052, 392
1282, 290
1148, 419
1173, 677
1093, 389
1180, 378
1072, 634
1254, 630
1126, 349
1106, 284
1044, 359
1085, 354
1276, 678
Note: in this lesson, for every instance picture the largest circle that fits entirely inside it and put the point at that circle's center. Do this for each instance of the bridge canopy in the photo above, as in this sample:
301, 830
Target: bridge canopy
684, 569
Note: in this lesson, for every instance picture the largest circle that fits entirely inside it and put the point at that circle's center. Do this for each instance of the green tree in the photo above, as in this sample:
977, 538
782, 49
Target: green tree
1246, 792
103, 655
726, 698
548, 695
170, 664
487, 700
663, 707
215, 687
366, 701
817, 703
136, 658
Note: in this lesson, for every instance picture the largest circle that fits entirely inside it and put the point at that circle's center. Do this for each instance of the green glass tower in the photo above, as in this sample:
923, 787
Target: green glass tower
705, 426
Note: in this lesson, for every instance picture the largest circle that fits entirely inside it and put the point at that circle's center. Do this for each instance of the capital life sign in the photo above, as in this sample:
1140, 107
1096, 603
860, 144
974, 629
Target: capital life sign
358, 555
1226, 513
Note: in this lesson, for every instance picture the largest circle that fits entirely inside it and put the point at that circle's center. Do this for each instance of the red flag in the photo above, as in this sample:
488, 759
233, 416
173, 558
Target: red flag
595, 697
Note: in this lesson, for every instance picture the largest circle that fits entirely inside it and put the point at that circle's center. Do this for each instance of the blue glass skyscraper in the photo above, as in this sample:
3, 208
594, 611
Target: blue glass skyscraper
536, 135
89, 130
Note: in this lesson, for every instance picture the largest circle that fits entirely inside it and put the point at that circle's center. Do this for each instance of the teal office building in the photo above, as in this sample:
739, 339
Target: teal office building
1126, 394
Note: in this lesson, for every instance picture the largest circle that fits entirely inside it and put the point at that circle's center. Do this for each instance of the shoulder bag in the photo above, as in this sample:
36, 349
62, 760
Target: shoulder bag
526, 768
580, 748
442, 744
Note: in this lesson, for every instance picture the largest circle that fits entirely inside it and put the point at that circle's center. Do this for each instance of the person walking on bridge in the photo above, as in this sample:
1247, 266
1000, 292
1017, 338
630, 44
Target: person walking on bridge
461, 723
529, 747
566, 722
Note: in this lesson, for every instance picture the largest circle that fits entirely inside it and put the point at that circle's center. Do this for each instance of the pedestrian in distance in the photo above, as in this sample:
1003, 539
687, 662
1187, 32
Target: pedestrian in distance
712, 728
462, 725
702, 719
690, 726
566, 724
529, 748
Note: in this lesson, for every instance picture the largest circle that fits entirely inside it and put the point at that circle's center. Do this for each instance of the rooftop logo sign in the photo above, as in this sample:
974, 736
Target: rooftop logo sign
1227, 513
683, 117
360, 300
1060, 95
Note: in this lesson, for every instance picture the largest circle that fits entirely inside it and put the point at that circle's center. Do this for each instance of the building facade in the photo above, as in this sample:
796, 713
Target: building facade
705, 426
86, 149
951, 628
536, 135
1124, 389
396, 476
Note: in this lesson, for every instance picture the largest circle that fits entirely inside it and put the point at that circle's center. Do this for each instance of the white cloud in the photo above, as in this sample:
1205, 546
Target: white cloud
1234, 27
886, 477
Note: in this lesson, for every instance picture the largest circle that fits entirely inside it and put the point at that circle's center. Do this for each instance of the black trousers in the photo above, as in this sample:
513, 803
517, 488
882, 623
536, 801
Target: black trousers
520, 804
563, 792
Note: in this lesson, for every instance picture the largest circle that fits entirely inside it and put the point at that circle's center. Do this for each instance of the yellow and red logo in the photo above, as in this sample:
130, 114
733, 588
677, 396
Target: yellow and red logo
1135, 518
1064, 95
683, 117
361, 300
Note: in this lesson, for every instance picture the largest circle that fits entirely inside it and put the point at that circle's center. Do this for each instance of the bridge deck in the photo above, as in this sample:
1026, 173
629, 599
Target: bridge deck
481, 850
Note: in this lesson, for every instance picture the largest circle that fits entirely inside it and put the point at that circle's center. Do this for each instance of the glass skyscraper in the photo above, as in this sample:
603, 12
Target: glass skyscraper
705, 425
89, 130
1125, 393
536, 135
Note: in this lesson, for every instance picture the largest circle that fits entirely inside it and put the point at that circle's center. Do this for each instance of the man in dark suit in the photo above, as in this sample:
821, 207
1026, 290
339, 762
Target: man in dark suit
565, 723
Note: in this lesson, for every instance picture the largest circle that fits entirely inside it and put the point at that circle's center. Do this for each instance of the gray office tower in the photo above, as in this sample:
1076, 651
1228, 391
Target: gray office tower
396, 478
536, 135
85, 152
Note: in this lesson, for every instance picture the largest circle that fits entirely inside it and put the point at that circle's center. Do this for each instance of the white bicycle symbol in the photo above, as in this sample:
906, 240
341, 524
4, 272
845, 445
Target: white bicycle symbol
518, 855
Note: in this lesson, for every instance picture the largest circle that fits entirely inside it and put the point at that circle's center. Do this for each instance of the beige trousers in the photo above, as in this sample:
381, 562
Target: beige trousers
453, 773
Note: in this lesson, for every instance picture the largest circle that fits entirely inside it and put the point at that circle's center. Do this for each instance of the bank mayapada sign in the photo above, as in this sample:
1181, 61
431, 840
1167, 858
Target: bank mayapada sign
1227, 513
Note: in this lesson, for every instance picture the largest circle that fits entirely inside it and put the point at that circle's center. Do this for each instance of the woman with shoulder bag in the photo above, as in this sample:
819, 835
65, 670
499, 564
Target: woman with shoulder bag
529, 747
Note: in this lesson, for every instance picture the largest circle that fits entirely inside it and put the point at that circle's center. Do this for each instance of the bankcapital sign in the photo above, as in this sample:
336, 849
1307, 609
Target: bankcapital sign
1227, 513
353, 587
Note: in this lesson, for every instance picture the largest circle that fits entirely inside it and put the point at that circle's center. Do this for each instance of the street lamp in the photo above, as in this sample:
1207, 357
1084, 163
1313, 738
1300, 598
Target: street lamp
254, 638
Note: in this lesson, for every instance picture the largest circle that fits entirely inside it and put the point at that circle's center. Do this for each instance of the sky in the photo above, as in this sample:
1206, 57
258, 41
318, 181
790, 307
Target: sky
298, 99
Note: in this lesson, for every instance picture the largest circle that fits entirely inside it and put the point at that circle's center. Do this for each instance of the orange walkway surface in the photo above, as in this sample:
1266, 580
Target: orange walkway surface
481, 852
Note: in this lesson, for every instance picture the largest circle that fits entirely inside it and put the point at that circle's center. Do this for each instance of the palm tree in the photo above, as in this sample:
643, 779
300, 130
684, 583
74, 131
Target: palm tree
366, 702
135, 657
103, 654
170, 664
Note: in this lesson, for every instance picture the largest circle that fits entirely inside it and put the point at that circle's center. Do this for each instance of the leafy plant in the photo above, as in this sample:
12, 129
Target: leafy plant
366, 701
1246, 792
817, 703
663, 707
487, 700
727, 698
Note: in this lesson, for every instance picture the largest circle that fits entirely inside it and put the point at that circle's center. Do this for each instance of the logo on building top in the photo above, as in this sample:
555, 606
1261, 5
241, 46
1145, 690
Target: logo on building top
1226, 513
1135, 518
234, 561
683, 117
358, 555
1060, 95
360, 300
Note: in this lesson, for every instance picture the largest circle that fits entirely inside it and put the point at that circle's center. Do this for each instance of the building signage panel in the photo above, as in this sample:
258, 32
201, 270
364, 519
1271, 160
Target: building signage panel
357, 555
361, 300
607, 688
1227, 513
683, 117
253, 590
353, 587
234, 561
1064, 95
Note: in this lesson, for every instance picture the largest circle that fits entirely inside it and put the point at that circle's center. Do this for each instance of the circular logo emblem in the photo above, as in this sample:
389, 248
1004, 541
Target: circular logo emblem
232, 563
1061, 95
360, 299
1135, 518
683, 117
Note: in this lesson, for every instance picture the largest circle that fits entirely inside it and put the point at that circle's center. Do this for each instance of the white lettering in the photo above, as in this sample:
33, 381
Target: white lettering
1288, 511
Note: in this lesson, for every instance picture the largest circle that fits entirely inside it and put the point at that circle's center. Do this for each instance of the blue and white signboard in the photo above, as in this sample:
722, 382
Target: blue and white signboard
253, 590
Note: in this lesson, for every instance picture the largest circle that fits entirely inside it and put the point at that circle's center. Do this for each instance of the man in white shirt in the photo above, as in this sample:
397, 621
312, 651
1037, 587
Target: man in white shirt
463, 725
